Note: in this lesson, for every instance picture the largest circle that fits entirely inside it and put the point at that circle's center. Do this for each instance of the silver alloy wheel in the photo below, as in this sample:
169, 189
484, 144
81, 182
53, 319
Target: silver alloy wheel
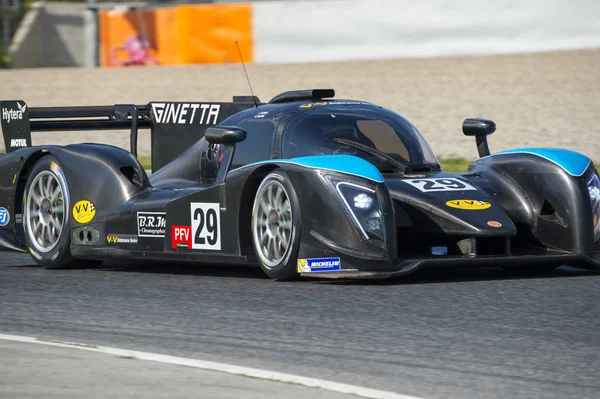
272, 222
45, 211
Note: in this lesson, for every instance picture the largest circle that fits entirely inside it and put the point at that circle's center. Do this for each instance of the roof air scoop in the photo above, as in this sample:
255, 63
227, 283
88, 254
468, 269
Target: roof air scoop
302, 95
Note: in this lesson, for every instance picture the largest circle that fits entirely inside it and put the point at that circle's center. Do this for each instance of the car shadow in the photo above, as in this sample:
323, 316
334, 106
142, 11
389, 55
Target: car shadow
427, 276
440, 276
226, 271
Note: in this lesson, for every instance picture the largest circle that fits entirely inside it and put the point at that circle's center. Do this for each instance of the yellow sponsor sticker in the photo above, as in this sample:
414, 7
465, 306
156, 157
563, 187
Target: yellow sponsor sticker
469, 205
84, 211
310, 105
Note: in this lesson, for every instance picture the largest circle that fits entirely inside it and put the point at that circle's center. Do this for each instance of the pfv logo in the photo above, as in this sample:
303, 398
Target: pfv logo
186, 113
11, 114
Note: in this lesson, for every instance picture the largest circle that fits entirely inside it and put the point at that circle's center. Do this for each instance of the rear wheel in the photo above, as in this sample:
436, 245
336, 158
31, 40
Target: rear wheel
276, 226
46, 215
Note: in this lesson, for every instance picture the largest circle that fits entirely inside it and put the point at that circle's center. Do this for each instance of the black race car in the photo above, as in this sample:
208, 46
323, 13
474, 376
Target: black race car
302, 185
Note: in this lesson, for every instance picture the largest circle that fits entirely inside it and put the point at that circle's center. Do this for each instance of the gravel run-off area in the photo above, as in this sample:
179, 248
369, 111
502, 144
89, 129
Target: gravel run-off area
543, 99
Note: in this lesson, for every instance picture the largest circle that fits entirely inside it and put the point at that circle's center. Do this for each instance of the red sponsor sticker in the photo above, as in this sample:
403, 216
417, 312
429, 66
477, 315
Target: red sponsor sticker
181, 236
493, 223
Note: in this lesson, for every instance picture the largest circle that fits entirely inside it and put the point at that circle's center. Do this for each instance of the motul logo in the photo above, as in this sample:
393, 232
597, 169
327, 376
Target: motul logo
18, 143
186, 113
11, 114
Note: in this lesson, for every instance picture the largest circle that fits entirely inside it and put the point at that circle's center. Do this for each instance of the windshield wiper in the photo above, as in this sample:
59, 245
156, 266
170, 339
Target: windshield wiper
373, 151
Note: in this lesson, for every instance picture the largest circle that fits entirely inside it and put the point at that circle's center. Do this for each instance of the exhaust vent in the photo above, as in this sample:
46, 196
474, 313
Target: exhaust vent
85, 236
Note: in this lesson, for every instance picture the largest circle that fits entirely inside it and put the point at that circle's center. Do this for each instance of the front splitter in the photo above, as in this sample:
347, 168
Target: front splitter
410, 265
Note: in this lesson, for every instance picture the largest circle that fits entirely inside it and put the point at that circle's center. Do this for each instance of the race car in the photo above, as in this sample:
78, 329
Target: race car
303, 185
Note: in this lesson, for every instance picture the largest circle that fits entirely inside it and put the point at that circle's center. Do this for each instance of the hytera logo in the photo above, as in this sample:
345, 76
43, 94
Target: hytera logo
11, 114
18, 143
200, 114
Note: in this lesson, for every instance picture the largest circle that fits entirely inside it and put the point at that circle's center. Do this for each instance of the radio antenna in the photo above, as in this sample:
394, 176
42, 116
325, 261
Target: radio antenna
246, 73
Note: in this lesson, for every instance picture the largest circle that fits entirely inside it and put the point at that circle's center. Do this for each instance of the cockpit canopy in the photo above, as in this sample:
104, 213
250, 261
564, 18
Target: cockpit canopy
345, 129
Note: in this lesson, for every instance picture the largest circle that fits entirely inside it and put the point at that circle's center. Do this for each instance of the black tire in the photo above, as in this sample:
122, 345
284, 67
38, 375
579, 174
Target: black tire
45, 254
282, 267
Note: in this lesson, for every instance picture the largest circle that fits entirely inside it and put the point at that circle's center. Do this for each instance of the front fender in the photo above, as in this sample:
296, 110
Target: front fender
327, 229
546, 191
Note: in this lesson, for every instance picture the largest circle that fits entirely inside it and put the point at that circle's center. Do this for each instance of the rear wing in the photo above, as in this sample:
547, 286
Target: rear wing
174, 126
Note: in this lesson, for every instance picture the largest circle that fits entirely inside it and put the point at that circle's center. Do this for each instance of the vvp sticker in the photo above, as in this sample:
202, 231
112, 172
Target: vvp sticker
468, 205
319, 265
84, 211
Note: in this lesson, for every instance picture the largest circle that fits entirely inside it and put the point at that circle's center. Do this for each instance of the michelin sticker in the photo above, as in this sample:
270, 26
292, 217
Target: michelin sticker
4, 217
317, 265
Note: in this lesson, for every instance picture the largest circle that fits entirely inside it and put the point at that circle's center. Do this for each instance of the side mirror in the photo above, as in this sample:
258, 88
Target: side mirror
226, 135
480, 128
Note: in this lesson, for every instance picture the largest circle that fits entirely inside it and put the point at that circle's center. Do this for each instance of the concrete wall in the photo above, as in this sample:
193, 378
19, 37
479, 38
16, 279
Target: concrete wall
342, 30
50, 35
282, 31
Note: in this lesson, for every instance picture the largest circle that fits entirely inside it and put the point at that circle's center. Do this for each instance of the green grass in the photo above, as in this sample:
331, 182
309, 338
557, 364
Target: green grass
146, 163
448, 165
454, 164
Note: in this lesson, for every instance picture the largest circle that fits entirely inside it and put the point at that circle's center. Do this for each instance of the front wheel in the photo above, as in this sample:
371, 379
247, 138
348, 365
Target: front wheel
276, 226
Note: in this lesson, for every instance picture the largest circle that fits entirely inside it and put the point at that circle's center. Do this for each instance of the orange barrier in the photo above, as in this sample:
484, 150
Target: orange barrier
186, 34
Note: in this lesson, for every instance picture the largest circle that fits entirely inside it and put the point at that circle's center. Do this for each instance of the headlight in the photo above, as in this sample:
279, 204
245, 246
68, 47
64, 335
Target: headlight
363, 201
364, 209
593, 186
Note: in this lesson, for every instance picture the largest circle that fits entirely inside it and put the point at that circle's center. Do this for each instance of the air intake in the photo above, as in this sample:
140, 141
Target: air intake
302, 95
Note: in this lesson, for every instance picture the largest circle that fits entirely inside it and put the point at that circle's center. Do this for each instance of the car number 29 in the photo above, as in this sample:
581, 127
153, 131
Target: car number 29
448, 184
206, 225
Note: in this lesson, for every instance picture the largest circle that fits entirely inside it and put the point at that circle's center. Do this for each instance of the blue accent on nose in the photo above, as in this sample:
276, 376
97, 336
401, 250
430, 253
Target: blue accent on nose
348, 164
342, 163
572, 162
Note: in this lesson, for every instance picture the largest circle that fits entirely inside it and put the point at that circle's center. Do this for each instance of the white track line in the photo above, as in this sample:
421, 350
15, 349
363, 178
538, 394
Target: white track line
221, 367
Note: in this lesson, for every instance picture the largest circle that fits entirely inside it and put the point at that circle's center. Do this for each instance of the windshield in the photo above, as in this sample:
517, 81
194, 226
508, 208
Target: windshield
330, 130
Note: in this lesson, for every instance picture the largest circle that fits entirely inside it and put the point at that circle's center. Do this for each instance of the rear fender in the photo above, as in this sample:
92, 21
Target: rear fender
105, 175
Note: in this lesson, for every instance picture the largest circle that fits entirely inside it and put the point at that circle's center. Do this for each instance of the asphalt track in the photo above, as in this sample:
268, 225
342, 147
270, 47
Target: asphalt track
442, 334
